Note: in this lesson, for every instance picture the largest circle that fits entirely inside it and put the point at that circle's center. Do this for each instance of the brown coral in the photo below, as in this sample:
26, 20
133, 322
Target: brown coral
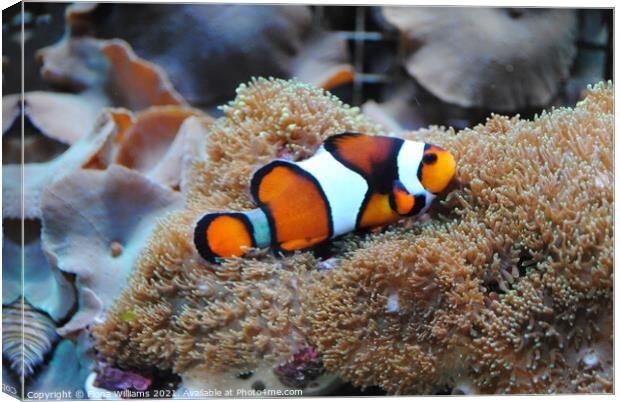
503, 290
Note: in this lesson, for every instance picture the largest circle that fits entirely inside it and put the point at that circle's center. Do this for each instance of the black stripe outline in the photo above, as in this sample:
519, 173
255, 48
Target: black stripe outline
419, 203
392, 196
426, 147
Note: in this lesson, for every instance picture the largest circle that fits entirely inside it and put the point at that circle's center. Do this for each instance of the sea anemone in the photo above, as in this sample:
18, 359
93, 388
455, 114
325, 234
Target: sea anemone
492, 289
488, 289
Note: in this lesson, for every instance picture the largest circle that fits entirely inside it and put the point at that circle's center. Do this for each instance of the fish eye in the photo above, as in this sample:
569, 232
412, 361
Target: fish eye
429, 158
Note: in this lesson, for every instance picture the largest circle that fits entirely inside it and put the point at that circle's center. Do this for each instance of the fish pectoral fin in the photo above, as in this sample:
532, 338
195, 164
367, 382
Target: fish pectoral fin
400, 199
299, 244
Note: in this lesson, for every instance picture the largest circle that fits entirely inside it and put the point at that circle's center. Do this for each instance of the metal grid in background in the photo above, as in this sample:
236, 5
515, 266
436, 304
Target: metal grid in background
358, 25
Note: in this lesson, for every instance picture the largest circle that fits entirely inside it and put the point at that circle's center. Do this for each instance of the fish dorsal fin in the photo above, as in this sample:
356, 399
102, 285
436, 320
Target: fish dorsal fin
373, 157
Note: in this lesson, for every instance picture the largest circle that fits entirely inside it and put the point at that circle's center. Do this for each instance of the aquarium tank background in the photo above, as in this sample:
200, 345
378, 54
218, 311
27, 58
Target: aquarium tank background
133, 121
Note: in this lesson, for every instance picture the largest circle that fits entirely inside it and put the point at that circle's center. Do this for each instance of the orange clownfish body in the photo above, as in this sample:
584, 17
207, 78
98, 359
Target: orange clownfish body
353, 181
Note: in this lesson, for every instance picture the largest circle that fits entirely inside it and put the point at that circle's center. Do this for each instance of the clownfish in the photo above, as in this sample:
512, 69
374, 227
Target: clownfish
353, 181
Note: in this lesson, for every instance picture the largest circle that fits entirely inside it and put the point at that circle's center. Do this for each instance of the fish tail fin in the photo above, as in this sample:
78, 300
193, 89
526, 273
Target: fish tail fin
223, 235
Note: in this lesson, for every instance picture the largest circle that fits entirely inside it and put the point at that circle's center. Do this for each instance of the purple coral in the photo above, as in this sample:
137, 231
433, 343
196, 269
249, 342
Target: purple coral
305, 366
114, 379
